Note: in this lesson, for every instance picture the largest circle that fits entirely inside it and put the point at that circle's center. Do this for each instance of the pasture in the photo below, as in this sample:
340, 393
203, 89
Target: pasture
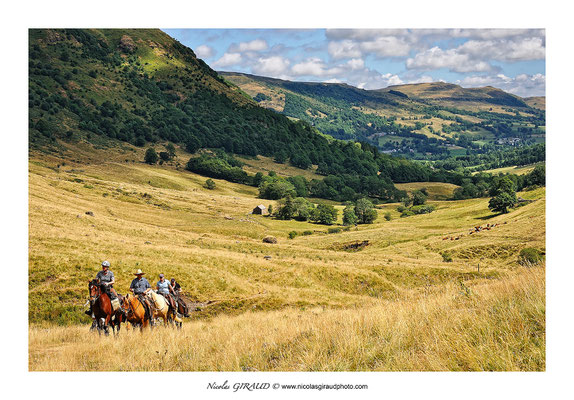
311, 304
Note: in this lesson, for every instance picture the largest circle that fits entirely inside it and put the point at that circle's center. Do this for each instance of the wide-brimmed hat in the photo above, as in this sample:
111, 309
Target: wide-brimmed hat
139, 272
106, 264
161, 276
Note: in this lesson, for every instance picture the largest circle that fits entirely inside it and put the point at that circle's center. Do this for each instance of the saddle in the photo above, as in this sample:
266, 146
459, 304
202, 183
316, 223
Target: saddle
115, 304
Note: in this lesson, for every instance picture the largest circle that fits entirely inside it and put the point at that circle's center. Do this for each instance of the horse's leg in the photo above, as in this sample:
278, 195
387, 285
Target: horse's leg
107, 325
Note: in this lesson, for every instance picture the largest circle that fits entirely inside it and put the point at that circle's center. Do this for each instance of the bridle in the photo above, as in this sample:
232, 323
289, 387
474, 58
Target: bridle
94, 298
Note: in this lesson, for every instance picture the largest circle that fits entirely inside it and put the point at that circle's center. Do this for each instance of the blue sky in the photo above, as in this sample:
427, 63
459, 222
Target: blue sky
510, 59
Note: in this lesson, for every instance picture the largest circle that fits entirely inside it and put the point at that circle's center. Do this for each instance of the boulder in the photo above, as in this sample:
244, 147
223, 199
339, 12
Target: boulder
270, 239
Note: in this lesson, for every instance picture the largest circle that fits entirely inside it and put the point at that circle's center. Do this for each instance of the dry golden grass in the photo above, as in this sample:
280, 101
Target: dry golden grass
488, 326
161, 219
436, 190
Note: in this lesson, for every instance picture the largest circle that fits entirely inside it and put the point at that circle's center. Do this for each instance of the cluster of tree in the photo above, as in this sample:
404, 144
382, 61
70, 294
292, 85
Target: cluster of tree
523, 155
152, 157
301, 209
360, 212
216, 166
483, 185
504, 192
416, 204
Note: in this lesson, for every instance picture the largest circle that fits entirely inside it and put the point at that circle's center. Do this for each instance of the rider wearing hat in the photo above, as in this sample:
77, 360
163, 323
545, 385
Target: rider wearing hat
106, 278
140, 287
164, 288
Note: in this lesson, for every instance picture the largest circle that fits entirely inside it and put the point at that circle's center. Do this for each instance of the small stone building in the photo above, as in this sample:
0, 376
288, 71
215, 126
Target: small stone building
260, 209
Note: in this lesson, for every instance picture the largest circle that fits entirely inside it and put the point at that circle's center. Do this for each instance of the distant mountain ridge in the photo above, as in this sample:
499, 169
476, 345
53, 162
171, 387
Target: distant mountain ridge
412, 118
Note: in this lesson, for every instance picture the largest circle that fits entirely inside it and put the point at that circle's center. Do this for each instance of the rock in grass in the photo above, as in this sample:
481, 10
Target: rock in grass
267, 257
90, 213
270, 239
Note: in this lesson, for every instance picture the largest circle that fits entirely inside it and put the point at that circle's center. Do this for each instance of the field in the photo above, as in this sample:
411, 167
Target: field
314, 305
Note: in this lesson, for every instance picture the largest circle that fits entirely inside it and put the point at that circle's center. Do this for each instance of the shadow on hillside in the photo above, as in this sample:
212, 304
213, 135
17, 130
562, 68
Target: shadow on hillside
487, 217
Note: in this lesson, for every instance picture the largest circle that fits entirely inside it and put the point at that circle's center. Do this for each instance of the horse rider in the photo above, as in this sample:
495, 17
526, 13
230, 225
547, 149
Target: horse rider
106, 278
175, 288
164, 288
140, 287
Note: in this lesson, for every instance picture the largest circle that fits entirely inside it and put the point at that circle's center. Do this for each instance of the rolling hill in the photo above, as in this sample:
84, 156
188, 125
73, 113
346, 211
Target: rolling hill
419, 292
422, 121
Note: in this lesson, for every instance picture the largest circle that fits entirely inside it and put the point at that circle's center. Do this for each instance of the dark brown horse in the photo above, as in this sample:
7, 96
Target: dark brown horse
102, 309
134, 311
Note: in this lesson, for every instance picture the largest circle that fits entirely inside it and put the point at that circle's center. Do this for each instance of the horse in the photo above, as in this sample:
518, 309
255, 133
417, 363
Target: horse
163, 309
101, 306
182, 308
135, 311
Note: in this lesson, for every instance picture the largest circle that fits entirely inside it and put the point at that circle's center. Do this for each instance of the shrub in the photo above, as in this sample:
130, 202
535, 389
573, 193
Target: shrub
407, 213
307, 233
334, 230
401, 209
424, 209
388, 216
446, 257
151, 156
292, 234
209, 184
530, 256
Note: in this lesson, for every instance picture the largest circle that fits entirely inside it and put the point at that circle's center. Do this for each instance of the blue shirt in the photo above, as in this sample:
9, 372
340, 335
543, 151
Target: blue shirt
140, 285
163, 287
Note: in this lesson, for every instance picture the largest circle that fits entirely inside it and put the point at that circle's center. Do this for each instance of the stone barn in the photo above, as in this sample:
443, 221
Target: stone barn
260, 209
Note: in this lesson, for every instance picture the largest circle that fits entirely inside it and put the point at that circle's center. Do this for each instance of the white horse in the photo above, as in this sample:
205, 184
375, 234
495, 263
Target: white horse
162, 309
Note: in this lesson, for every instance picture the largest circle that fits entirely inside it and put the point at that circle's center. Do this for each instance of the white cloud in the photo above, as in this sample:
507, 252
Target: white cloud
356, 63
422, 79
271, 66
436, 58
385, 46
523, 85
204, 51
227, 60
254, 45
505, 50
344, 49
391, 79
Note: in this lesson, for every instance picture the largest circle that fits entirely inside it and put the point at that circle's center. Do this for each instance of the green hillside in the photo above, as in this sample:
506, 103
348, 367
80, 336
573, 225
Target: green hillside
424, 121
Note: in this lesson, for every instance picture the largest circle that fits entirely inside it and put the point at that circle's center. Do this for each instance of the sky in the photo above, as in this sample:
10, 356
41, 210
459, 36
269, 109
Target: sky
509, 59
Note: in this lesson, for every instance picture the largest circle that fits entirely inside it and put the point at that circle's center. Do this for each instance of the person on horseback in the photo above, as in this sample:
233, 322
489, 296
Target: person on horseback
175, 289
106, 278
164, 288
140, 287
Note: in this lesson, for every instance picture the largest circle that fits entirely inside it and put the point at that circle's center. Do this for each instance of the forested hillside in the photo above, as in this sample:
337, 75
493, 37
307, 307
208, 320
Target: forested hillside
423, 121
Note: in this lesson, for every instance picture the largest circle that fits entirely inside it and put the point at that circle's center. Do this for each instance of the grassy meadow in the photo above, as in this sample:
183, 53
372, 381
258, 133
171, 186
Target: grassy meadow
313, 305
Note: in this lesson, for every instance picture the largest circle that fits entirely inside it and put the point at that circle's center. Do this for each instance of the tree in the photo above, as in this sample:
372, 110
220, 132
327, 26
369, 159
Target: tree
537, 176
419, 198
365, 211
164, 155
286, 209
349, 216
302, 209
502, 202
151, 156
324, 214
192, 144
170, 149
209, 184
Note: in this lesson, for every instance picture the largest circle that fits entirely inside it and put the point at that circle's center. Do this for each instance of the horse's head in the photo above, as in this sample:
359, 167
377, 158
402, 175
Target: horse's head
95, 290
126, 306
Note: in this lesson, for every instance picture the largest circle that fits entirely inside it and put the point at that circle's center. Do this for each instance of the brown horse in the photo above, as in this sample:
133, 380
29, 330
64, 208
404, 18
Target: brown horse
101, 306
135, 311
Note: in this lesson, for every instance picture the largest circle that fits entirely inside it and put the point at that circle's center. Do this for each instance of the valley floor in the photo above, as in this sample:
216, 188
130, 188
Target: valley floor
301, 304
